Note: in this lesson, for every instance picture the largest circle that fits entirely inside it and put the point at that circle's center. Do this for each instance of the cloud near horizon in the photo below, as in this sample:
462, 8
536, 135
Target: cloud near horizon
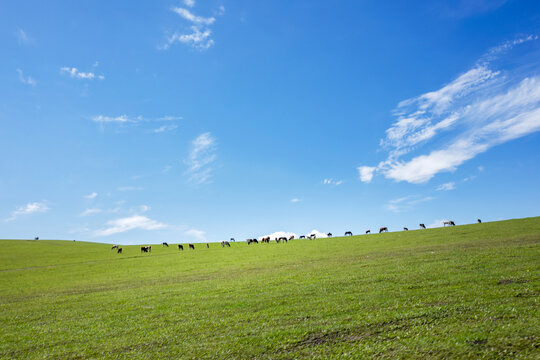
480, 109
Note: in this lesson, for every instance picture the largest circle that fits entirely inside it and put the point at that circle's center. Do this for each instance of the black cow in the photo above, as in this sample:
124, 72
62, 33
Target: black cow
146, 249
232, 240
180, 247
384, 228
329, 234
405, 229
36, 238
368, 231
348, 233
225, 243
479, 221
119, 251
165, 244
114, 247
449, 223
191, 246
422, 226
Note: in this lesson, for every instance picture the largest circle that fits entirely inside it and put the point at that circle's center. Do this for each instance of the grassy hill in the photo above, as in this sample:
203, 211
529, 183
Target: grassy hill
462, 292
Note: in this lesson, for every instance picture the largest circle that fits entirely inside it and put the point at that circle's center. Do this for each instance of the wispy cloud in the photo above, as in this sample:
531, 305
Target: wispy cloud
480, 109
406, 203
198, 34
112, 119
91, 196
92, 211
200, 235
466, 8
75, 73
26, 79
22, 37
164, 128
30, 208
446, 186
201, 156
332, 182
295, 200
129, 223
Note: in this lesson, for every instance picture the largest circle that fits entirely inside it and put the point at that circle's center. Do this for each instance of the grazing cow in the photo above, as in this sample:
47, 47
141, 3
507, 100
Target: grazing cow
165, 244
302, 236
368, 231
479, 221
348, 233
405, 229
146, 249
291, 237
232, 239
225, 243
283, 238
36, 238
192, 247
207, 246
119, 251
449, 223
422, 226
329, 234
180, 247
384, 228
114, 247
312, 236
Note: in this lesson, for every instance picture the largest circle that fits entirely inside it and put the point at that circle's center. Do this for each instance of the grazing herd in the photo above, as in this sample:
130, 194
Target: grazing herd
148, 248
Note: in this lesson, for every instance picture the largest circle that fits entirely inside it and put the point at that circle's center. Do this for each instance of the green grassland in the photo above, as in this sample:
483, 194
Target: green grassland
461, 292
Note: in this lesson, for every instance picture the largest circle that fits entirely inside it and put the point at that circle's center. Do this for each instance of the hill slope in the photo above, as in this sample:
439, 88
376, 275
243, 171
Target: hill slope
461, 292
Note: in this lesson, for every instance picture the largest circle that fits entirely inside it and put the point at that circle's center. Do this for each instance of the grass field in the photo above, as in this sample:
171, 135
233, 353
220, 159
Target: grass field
462, 292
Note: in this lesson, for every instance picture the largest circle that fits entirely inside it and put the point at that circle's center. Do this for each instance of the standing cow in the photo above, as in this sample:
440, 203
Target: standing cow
383, 229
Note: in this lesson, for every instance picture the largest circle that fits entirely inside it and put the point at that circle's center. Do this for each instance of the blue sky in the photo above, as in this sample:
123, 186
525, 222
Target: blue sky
184, 121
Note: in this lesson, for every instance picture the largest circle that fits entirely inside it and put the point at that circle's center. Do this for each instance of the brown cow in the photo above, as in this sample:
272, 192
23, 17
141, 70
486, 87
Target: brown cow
384, 228
292, 237
479, 221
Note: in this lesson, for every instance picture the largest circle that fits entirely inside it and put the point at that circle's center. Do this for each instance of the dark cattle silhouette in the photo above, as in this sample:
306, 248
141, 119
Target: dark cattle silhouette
384, 228
449, 223
119, 251
165, 244
114, 247
291, 237
312, 236
422, 226
36, 238
368, 231
302, 236
191, 246
146, 249
232, 239
283, 238
329, 234
348, 233
207, 246
225, 243
405, 229
479, 221
180, 247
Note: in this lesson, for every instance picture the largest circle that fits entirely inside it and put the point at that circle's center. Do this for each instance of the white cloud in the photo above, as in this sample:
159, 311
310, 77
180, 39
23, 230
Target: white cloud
91, 196
22, 37
189, 3
197, 38
295, 200
166, 169
221, 10
75, 73
437, 223
170, 118
480, 109
201, 156
317, 233
26, 80
188, 15
129, 223
406, 203
164, 128
30, 208
446, 186
366, 173
279, 234
200, 235
91, 212
112, 119
332, 182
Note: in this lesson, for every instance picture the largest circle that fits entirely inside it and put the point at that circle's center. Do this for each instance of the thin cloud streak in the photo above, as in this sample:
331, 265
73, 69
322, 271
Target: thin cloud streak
201, 156
129, 223
28, 209
482, 108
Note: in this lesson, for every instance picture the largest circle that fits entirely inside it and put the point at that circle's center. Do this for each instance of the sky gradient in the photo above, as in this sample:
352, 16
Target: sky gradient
191, 120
